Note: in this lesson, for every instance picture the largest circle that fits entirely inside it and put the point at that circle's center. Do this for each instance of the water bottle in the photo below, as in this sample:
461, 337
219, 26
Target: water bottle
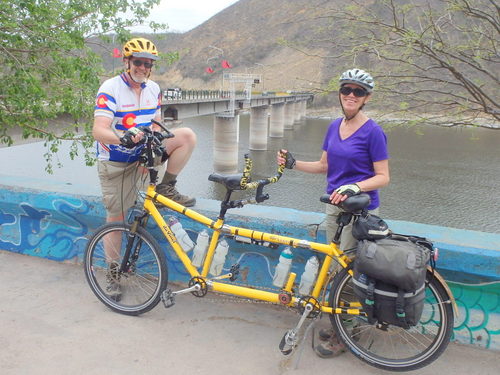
283, 268
200, 249
219, 258
309, 276
182, 237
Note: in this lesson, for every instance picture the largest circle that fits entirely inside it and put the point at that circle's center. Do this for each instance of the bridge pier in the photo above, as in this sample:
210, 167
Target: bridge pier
303, 108
277, 120
226, 141
258, 128
289, 115
298, 112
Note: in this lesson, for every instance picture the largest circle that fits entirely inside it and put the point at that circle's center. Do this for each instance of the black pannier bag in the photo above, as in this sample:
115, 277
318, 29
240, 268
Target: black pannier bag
385, 303
389, 278
395, 260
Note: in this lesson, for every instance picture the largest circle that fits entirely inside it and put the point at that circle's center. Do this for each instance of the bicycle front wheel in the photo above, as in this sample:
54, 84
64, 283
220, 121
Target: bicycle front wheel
394, 348
138, 288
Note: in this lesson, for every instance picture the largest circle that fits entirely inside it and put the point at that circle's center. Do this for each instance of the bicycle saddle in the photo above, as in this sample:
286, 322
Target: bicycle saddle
352, 204
230, 181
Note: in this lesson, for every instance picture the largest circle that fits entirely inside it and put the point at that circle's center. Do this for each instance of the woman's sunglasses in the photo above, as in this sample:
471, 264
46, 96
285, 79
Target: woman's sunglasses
346, 90
139, 63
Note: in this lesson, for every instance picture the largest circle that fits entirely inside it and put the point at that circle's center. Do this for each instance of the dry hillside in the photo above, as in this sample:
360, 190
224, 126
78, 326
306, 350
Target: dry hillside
247, 35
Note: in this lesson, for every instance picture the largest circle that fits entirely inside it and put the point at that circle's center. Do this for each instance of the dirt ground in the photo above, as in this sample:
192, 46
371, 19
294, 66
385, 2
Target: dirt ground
51, 323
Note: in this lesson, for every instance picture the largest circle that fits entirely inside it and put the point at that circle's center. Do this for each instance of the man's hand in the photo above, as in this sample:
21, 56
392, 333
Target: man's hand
349, 190
131, 137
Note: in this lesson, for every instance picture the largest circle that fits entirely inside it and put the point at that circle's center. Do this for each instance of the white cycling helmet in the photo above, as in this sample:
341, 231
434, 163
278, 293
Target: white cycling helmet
358, 77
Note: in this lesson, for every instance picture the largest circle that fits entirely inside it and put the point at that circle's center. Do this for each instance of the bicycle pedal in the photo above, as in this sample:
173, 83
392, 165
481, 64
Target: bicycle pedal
168, 298
234, 271
288, 342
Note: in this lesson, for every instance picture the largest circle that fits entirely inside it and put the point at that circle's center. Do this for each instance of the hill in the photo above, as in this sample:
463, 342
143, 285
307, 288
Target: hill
249, 35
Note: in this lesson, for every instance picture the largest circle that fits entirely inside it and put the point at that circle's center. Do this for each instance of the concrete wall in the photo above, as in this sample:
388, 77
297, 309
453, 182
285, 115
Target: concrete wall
55, 220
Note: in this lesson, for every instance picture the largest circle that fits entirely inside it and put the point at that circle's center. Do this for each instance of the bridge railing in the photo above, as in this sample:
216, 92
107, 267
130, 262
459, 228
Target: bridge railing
200, 95
178, 94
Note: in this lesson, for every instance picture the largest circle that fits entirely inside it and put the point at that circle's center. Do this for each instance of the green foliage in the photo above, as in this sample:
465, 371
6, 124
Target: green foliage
434, 58
49, 72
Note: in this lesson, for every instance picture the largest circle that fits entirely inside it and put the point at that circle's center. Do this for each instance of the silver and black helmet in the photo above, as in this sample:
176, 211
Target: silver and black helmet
358, 77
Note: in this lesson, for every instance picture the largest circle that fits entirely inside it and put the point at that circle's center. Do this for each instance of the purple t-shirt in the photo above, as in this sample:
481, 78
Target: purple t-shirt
351, 160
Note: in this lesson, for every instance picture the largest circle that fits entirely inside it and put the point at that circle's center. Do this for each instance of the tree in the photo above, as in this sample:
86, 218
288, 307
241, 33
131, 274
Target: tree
433, 60
49, 70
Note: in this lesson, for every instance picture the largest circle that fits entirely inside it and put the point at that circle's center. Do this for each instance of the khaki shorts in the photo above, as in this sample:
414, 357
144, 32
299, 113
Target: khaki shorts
119, 185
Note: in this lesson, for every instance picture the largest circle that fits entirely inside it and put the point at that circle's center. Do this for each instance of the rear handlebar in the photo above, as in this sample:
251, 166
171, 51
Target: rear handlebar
245, 183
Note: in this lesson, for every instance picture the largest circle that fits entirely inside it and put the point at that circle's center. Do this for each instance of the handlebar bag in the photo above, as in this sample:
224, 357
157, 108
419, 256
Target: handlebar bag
400, 262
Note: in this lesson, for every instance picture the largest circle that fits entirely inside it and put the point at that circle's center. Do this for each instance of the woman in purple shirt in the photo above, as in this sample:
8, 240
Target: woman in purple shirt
355, 159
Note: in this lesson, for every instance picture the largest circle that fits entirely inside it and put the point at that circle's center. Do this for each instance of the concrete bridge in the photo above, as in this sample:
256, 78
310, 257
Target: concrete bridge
270, 114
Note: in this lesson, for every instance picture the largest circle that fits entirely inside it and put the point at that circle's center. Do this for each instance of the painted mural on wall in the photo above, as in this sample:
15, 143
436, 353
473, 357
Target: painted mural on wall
45, 225
57, 227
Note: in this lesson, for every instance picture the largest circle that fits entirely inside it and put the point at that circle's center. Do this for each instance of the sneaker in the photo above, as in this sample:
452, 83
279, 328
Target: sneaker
326, 333
113, 288
169, 191
331, 348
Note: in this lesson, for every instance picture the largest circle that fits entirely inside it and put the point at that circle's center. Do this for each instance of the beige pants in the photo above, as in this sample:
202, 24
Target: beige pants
119, 185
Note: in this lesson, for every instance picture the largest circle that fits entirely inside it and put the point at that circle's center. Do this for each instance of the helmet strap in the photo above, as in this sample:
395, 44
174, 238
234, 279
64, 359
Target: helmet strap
130, 75
347, 118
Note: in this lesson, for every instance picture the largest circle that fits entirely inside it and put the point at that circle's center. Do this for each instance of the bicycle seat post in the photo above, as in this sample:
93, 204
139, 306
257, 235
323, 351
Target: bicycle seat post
343, 219
225, 204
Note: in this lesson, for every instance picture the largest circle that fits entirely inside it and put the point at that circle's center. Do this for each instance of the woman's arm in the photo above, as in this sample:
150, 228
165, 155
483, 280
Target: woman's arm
320, 166
380, 179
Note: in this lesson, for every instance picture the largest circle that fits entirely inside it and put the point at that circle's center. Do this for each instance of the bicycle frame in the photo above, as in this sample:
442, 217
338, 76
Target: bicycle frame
219, 227
141, 281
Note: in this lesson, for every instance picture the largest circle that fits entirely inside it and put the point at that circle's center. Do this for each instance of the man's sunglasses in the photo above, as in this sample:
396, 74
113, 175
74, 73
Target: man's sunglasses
139, 63
346, 90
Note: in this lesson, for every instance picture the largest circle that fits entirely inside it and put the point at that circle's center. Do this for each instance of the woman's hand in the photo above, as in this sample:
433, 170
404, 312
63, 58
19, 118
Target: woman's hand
343, 192
286, 158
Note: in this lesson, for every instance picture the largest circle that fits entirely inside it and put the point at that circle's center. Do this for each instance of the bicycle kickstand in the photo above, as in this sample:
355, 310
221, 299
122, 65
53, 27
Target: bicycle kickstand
291, 337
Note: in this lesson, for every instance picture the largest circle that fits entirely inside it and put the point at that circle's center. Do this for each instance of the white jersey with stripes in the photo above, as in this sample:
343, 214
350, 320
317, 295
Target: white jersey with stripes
117, 100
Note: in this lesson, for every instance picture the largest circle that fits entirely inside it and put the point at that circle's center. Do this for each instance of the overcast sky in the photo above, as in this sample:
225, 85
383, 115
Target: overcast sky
183, 15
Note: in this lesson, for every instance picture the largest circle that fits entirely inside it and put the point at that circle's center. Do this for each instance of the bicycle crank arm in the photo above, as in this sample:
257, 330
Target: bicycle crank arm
290, 339
194, 288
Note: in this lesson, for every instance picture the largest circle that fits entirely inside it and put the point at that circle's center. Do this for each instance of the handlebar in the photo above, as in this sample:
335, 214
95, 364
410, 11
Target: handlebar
151, 139
245, 183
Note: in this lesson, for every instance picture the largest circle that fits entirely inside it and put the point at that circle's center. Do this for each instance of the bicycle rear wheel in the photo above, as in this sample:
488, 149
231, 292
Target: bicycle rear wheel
394, 349
136, 290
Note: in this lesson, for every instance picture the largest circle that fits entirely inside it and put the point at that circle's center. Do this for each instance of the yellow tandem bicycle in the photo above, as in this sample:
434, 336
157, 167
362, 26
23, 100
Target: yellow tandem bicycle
143, 274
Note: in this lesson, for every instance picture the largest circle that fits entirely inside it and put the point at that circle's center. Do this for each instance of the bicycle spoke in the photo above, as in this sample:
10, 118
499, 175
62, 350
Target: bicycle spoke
139, 288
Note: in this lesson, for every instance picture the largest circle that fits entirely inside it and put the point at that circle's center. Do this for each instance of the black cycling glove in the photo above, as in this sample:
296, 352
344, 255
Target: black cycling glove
289, 160
126, 139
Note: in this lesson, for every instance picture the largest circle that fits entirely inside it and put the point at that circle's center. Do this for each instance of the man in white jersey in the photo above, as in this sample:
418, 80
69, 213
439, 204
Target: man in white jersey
131, 100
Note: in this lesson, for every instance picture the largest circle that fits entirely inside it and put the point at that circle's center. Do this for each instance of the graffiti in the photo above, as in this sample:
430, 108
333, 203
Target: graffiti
56, 236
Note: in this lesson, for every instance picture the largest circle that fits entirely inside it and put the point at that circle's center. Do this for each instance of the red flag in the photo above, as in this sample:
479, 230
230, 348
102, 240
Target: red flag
225, 64
116, 53
209, 70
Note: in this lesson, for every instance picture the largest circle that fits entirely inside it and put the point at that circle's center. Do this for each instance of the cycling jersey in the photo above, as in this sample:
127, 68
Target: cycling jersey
118, 101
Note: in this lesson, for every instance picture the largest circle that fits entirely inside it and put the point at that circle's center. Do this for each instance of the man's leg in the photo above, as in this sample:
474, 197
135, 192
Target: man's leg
179, 150
118, 185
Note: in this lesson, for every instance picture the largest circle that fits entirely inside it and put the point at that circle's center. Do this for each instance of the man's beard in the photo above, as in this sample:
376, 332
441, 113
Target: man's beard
138, 79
